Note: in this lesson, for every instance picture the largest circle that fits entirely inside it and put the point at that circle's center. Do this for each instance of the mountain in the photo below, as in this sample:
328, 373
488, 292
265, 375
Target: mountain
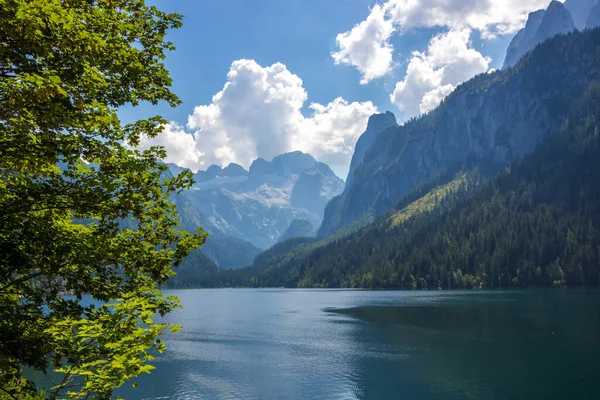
593, 20
258, 205
557, 20
520, 44
536, 223
214, 171
298, 228
175, 169
377, 124
224, 251
541, 25
498, 117
196, 270
478, 222
580, 11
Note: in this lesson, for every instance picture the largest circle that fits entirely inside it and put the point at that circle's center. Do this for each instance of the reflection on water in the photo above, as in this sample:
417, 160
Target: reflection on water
293, 344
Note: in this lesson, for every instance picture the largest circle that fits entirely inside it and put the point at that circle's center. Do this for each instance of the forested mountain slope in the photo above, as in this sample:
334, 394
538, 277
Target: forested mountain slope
537, 223
499, 116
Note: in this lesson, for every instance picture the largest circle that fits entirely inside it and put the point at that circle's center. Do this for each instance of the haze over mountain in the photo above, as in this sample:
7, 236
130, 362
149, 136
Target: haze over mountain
593, 19
580, 11
542, 25
557, 19
258, 206
299, 228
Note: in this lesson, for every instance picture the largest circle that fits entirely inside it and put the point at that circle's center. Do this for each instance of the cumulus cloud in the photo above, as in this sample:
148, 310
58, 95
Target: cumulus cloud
331, 132
258, 113
490, 17
180, 146
433, 74
367, 46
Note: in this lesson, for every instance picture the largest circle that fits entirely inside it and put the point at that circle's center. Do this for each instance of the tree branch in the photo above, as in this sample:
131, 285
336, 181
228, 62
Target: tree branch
20, 280
8, 393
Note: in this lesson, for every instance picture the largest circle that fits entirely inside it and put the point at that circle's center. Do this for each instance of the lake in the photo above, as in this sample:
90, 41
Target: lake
334, 344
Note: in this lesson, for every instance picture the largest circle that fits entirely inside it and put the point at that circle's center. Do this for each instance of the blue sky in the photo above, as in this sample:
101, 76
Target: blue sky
302, 35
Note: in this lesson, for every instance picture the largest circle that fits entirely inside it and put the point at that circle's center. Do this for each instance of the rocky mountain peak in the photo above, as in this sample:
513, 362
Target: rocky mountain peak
580, 11
234, 170
377, 124
293, 163
258, 205
381, 121
517, 46
541, 25
593, 20
557, 20
260, 166
215, 171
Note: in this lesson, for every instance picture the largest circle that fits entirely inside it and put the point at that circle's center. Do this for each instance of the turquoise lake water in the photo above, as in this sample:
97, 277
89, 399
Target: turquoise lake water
318, 344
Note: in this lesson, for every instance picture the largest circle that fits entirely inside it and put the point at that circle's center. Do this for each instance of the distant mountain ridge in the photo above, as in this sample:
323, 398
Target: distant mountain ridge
258, 205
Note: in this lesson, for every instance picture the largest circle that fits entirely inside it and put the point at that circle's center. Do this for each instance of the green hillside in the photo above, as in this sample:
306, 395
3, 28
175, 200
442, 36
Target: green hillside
537, 223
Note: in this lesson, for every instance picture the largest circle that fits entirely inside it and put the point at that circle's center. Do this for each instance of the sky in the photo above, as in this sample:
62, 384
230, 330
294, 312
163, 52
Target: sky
258, 78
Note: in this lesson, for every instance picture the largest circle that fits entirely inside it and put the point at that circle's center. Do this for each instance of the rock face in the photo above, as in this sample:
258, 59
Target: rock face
496, 117
580, 11
258, 205
541, 25
298, 228
520, 43
557, 20
377, 124
593, 20
214, 171
225, 251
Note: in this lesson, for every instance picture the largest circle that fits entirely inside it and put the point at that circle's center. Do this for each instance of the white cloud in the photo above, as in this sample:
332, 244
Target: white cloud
366, 46
258, 113
490, 17
331, 132
432, 75
433, 98
180, 146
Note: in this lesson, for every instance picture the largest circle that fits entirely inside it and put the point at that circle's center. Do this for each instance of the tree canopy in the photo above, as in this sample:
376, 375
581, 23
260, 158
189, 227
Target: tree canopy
82, 210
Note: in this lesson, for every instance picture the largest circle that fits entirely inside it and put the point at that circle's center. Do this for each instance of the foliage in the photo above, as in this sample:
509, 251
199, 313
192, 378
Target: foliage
82, 211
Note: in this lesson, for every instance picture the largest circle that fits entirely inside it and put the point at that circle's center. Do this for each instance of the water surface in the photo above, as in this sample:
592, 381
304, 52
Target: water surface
319, 344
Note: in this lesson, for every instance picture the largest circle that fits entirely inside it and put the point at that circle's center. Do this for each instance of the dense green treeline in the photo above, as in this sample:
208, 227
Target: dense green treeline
538, 223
